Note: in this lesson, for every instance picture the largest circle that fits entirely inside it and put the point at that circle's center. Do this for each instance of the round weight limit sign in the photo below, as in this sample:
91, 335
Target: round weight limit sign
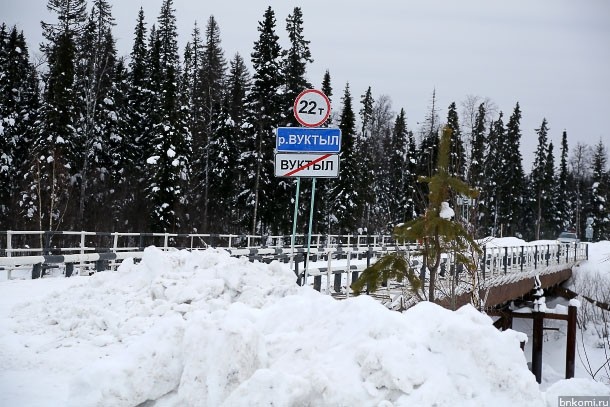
311, 108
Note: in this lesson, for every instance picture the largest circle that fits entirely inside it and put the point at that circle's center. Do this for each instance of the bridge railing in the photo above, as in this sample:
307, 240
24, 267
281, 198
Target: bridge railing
27, 248
508, 259
23, 243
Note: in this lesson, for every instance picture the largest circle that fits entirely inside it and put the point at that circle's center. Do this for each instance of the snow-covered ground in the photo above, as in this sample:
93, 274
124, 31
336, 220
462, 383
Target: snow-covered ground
205, 329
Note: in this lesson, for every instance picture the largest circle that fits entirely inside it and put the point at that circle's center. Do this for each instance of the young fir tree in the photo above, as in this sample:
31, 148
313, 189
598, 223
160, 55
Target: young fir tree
344, 207
435, 229
169, 136
511, 189
457, 160
264, 114
599, 209
19, 103
55, 149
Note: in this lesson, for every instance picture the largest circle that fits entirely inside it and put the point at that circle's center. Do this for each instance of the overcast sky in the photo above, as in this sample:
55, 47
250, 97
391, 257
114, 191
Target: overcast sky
552, 56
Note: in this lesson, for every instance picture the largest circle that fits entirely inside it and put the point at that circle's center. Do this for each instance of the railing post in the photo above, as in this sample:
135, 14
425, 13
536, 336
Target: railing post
521, 258
9, 244
536, 257
115, 242
47, 243
505, 259
548, 254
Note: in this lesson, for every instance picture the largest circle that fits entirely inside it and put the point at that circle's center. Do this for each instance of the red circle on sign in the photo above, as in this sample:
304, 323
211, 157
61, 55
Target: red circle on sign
299, 114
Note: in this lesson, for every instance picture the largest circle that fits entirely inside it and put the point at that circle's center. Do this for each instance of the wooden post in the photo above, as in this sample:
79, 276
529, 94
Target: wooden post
571, 342
69, 269
537, 339
317, 283
337, 282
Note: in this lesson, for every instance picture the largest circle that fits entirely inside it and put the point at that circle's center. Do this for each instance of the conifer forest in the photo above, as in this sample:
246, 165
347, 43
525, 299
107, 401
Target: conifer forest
182, 140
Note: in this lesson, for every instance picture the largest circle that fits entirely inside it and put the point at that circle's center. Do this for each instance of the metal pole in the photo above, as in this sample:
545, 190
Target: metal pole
313, 195
537, 345
571, 342
294, 221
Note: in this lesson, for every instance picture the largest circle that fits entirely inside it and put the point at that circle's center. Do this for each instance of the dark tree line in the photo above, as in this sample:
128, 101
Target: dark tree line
184, 142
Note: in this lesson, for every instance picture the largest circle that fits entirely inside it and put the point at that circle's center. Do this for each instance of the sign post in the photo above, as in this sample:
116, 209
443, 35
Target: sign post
308, 151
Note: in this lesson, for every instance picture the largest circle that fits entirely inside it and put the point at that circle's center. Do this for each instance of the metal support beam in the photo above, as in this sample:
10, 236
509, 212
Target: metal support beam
571, 342
537, 339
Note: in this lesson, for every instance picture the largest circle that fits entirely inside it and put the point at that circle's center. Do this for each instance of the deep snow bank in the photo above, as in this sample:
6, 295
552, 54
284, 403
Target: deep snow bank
204, 329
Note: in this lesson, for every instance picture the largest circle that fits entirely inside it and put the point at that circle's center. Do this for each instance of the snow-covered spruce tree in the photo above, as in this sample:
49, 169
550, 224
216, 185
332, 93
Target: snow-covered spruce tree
428, 150
295, 60
345, 204
599, 208
563, 195
97, 119
170, 138
191, 90
437, 232
494, 162
323, 195
140, 107
120, 146
457, 159
511, 189
551, 230
580, 166
55, 150
540, 190
476, 175
375, 156
213, 75
19, 104
265, 112
477, 152
399, 175
225, 147
294, 66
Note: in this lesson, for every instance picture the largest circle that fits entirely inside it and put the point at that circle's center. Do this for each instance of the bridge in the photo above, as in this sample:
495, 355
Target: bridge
504, 272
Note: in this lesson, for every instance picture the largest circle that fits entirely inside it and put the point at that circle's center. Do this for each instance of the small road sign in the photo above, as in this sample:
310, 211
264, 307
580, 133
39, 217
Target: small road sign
308, 140
307, 165
311, 108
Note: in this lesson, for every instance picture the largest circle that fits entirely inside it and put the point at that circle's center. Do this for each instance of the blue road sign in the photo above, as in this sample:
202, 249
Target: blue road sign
308, 140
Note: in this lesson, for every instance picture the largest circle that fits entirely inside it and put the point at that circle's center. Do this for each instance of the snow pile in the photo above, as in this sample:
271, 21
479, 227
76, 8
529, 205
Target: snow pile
205, 329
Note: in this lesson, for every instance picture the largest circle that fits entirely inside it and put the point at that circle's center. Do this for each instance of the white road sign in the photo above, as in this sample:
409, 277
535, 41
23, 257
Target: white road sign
306, 165
311, 108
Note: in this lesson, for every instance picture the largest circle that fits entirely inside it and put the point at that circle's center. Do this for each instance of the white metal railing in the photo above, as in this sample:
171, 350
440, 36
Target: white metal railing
45, 242
496, 261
